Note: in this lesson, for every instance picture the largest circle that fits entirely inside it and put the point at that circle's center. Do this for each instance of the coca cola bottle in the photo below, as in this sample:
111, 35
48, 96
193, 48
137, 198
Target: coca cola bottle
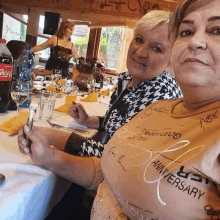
5, 76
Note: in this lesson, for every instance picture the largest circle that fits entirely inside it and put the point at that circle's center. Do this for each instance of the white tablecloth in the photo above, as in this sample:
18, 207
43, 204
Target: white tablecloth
30, 191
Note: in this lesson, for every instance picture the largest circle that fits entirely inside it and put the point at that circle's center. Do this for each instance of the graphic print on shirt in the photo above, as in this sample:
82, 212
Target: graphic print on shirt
145, 157
161, 159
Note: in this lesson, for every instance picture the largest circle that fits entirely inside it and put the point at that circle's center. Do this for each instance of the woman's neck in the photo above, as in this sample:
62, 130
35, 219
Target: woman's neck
65, 38
195, 97
134, 82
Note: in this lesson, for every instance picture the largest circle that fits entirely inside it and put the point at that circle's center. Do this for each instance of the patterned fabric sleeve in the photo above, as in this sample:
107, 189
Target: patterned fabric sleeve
84, 147
123, 107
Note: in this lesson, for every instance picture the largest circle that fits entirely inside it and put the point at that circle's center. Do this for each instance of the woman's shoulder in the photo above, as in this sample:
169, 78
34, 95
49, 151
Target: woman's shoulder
52, 40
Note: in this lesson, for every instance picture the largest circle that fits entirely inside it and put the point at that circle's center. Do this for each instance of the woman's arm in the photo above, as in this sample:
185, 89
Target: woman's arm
83, 171
46, 44
79, 114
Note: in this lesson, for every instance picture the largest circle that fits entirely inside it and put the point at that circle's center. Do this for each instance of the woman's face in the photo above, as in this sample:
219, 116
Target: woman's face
69, 31
149, 53
196, 51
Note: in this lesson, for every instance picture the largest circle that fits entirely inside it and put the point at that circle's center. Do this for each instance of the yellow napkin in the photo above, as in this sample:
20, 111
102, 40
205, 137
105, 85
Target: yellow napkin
105, 92
61, 82
51, 88
13, 125
65, 108
112, 89
60, 93
75, 73
70, 98
93, 97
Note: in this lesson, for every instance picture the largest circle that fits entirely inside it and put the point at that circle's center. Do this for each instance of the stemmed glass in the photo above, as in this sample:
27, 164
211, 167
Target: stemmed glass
19, 92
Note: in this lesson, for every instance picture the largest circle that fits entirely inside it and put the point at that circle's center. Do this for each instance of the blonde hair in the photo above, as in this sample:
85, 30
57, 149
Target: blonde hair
152, 19
180, 10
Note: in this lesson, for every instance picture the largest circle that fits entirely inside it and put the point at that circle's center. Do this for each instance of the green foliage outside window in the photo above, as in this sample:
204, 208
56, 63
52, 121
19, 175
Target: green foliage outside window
109, 46
23, 32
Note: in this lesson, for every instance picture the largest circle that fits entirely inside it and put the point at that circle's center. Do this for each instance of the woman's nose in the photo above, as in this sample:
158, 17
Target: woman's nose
198, 41
142, 51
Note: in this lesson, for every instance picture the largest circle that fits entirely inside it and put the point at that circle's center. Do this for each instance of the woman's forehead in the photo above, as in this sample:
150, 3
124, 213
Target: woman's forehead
158, 34
211, 9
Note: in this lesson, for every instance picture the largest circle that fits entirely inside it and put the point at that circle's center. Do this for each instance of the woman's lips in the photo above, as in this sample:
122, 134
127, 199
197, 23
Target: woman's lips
143, 64
195, 60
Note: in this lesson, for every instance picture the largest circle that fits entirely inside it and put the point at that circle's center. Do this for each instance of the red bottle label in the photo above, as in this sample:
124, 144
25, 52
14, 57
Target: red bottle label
5, 72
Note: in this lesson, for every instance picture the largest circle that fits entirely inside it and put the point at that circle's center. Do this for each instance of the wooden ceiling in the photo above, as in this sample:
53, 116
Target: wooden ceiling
94, 12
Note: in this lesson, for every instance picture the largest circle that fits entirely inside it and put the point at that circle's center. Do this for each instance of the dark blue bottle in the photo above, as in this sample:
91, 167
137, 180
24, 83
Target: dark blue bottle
26, 67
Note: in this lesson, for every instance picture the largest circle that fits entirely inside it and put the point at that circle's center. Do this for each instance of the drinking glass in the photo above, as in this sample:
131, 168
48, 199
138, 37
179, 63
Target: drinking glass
68, 87
19, 92
46, 104
72, 95
90, 85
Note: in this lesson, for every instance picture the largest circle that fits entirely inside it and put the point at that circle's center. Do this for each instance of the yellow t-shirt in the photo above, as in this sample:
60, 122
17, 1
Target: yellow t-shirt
163, 165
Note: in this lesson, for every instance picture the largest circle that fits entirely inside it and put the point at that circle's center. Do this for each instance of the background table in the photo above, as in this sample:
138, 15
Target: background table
31, 191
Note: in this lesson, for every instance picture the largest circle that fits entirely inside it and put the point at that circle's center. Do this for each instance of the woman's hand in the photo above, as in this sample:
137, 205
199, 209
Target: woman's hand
40, 151
78, 112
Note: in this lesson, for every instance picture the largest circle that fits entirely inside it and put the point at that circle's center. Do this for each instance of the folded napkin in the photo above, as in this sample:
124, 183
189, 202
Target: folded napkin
13, 125
51, 88
112, 89
65, 108
93, 97
105, 92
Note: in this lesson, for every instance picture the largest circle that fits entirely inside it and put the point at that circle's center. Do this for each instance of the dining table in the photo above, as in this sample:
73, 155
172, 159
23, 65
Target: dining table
30, 191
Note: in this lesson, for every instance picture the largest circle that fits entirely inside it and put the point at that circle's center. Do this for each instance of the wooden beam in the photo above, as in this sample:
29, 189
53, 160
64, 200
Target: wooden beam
93, 44
31, 40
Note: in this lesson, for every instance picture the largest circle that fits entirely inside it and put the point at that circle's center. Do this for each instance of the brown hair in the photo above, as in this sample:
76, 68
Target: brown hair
16, 47
62, 28
180, 10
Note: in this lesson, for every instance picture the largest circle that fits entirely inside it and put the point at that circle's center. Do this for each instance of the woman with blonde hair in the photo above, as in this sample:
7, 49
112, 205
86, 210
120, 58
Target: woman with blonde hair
62, 49
118, 174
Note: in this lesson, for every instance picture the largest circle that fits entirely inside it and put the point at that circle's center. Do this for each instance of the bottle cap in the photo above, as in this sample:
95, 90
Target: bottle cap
28, 47
2, 40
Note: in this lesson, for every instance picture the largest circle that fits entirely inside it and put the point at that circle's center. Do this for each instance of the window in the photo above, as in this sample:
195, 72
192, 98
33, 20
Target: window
13, 29
44, 54
80, 39
109, 46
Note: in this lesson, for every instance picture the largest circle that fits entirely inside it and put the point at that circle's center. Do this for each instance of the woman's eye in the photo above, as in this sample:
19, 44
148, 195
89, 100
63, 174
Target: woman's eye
156, 49
216, 31
185, 33
139, 40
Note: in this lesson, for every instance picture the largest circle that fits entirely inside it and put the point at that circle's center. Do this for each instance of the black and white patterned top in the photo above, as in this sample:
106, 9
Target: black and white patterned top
125, 103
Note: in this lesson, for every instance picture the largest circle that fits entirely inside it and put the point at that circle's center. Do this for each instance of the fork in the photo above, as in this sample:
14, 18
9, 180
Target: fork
76, 130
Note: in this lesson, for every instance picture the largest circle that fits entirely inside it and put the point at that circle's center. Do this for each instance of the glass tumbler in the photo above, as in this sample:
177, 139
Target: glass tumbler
46, 104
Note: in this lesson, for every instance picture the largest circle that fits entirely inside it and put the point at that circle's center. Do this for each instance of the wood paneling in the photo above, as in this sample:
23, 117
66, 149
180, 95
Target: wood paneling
126, 8
56, 4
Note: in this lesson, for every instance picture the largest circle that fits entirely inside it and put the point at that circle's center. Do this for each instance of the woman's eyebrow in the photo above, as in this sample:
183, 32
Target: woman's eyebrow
187, 22
214, 18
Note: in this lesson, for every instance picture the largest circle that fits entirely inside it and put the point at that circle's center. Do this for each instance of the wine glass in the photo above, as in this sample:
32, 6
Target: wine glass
58, 72
19, 92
